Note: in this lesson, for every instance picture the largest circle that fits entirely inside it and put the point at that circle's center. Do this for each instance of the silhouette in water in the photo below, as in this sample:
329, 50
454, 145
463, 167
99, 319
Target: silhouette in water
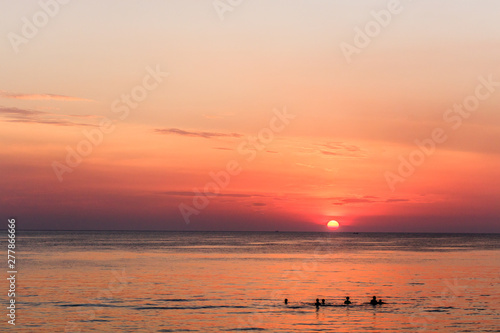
380, 302
323, 301
374, 301
347, 301
317, 303
286, 300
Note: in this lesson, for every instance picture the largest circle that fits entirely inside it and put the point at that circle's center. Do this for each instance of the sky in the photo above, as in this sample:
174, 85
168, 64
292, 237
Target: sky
250, 115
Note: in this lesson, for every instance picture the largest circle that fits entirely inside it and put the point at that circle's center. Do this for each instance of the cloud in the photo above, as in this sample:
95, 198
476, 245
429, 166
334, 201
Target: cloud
20, 112
342, 146
397, 200
341, 149
356, 200
48, 122
16, 115
54, 97
198, 134
366, 199
329, 153
192, 194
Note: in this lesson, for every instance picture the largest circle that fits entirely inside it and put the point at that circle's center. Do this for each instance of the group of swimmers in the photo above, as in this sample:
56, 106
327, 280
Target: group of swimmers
347, 301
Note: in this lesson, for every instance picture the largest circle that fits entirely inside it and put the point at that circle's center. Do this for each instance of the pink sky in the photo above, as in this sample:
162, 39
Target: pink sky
202, 89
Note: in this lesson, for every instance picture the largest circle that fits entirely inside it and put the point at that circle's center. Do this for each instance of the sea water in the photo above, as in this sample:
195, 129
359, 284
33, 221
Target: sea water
112, 281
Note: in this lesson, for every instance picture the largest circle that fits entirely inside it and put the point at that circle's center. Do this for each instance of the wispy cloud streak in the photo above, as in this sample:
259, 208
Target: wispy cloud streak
197, 134
341, 149
192, 194
16, 115
6, 94
365, 200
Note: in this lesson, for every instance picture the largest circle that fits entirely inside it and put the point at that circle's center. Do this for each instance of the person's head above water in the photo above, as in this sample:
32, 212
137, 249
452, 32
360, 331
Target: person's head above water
286, 300
347, 298
374, 297
323, 301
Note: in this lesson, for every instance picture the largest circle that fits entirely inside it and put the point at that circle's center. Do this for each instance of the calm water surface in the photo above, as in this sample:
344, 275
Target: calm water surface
231, 282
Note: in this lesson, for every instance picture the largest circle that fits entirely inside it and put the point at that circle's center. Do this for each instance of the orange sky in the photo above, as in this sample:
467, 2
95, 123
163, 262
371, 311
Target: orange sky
152, 98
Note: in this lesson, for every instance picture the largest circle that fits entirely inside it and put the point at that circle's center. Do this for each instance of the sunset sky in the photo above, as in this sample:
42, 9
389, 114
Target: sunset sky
160, 95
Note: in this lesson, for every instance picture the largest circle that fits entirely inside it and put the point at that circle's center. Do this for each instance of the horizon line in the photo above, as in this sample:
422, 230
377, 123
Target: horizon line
268, 231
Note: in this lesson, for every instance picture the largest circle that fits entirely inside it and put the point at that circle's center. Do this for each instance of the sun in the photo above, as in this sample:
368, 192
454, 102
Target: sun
333, 224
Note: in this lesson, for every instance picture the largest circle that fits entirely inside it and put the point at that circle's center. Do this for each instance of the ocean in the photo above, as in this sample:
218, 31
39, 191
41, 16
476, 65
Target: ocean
110, 281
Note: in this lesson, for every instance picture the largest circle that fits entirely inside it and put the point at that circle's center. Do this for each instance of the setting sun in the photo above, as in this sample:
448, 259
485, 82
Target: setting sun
333, 224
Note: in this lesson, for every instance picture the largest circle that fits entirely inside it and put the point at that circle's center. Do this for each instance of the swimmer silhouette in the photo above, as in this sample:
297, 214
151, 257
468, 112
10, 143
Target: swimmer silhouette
286, 300
347, 301
317, 303
380, 302
323, 302
374, 301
